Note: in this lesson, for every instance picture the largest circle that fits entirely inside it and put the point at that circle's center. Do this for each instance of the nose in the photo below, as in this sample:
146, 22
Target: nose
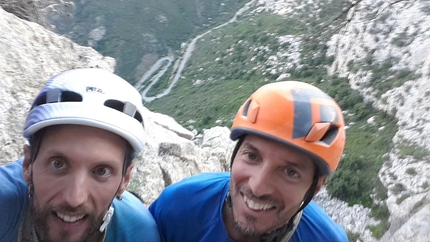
76, 189
261, 182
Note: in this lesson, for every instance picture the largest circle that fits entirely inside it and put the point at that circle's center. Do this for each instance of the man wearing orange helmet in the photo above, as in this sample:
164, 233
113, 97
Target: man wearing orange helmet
290, 137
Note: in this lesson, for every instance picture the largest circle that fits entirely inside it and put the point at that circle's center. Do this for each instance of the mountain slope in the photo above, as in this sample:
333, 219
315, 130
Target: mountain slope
137, 32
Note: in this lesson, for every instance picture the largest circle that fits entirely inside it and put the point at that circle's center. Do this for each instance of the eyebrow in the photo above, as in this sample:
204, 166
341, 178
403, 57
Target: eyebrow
297, 164
247, 145
54, 153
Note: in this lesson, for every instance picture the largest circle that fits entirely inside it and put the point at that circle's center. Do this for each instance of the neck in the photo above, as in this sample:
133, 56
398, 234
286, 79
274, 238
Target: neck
233, 233
96, 237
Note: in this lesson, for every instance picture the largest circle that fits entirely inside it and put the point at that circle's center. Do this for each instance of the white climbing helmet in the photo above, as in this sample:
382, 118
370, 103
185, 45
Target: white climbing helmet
92, 97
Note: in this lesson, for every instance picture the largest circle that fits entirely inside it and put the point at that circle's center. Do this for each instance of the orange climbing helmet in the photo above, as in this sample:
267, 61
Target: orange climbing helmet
299, 115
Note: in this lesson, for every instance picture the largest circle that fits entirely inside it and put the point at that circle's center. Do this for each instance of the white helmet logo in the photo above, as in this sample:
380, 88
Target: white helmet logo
94, 89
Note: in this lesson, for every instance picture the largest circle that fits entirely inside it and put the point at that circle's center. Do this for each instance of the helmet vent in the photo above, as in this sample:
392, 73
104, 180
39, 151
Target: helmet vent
127, 108
250, 111
57, 96
330, 135
246, 108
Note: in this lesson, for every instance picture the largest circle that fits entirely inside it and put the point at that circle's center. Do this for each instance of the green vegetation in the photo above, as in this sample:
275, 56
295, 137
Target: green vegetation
356, 178
411, 171
384, 77
415, 151
402, 198
382, 214
221, 61
161, 84
353, 236
379, 230
135, 28
398, 188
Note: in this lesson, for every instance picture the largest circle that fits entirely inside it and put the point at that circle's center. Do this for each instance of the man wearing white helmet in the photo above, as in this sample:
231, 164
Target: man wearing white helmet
290, 137
84, 129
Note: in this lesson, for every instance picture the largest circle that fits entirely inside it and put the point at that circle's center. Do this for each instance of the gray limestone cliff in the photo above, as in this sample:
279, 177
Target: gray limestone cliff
29, 54
395, 32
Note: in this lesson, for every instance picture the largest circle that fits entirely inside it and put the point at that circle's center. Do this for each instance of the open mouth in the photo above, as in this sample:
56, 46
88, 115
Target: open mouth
257, 206
69, 218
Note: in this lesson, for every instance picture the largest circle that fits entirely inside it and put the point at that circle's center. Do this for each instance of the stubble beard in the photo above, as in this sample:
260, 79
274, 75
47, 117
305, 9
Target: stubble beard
42, 215
248, 228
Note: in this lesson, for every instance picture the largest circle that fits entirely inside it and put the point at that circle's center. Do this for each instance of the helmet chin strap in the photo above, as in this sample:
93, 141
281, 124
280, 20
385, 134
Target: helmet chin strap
289, 228
311, 191
106, 219
109, 213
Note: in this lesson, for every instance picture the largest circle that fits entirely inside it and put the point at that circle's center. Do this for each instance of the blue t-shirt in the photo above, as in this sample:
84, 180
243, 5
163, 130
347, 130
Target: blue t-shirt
191, 210
131, 220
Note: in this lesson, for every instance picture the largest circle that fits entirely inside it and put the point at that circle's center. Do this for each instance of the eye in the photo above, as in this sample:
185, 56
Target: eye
102, 172
251, 156
58, 165
291, 173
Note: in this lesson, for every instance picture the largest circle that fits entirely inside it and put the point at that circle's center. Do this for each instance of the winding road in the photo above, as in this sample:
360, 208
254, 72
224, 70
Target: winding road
160, 67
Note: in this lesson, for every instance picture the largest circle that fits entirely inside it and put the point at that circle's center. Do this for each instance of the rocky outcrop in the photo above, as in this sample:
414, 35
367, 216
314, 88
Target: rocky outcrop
29, 54
169, 158
383, 31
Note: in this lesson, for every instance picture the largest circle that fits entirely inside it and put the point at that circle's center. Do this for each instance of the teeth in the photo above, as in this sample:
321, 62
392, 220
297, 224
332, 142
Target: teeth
256, 206
69, 219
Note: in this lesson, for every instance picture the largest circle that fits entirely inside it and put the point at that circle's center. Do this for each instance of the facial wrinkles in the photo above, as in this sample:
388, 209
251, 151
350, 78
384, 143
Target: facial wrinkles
274, 212
263, 203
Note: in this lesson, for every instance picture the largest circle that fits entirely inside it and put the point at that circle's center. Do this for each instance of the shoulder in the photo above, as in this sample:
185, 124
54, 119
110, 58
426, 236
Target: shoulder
316, 225
204, 178
131, 221
13, 187
12, 183
191, 210
13, 199
187, 196
197, 185
12, 173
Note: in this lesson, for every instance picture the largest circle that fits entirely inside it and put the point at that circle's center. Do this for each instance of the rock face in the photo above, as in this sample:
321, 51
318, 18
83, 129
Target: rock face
29, 54
381, 31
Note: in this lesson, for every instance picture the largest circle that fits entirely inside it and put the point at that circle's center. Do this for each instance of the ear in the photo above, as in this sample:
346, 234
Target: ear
321, 182
27, 165
126, 179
